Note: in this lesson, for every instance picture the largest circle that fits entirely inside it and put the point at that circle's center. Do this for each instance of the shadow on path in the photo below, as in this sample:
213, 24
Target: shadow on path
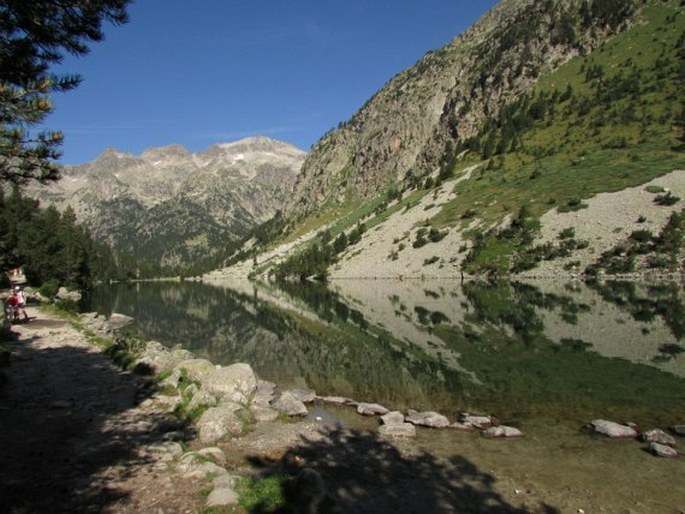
68, 427
363, 473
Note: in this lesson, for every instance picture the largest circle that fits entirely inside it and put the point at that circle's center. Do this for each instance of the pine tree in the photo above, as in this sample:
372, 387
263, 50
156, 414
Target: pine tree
34, 34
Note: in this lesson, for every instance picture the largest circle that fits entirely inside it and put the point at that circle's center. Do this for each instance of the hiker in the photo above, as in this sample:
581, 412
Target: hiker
15, 304
11, 307
21, 302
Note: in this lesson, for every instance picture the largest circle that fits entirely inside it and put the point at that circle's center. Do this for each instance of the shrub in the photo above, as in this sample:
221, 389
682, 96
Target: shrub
666, 199
567, 233
436, 235
49, 289
641, 236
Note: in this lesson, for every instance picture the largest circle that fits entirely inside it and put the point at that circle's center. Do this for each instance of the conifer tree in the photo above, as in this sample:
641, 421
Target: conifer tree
34, 35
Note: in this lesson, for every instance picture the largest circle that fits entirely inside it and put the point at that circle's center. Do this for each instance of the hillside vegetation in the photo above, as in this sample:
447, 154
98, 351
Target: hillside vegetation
539, 107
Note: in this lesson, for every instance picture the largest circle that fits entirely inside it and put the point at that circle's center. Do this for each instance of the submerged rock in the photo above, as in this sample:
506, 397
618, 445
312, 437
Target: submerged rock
661, 450
336, 400
397, 430
502, 431
613, 429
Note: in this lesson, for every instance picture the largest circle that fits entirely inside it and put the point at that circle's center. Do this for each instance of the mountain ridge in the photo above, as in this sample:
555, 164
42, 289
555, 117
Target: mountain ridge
172, 206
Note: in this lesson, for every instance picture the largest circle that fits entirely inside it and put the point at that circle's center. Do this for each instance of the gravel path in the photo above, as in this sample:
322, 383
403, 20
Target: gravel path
73, 434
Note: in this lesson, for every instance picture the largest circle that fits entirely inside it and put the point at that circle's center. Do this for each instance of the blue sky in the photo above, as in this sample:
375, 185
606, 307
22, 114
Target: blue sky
211, 71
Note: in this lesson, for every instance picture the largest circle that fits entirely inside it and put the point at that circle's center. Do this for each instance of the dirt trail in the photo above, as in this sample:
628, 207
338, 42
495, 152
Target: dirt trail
75, 432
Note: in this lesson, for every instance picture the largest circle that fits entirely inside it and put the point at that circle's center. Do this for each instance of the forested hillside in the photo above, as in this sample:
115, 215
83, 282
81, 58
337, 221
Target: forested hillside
50, 246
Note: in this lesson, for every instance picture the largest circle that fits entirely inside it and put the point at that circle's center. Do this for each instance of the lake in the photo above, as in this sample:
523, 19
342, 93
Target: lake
545, 356
518, 350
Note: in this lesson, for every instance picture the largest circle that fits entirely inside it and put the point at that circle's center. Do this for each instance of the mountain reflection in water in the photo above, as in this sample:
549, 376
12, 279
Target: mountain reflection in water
517, 349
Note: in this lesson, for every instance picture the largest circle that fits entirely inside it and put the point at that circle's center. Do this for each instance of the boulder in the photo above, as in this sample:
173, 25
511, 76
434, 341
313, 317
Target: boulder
215, 453
613, 429
202, 398
477, 421
172, 380
219, 422
393, 418
501, 431
225, 482
304, 395
205, 470
263, 413
196, 369
264, 394
190, 391
336, 400
118, 321
64, 294
427, 419
235, 383
222, 497
291, 406
155, 357
463, 427
661, 450
397, 430
656, 435
195, 465
179, 354
371, 409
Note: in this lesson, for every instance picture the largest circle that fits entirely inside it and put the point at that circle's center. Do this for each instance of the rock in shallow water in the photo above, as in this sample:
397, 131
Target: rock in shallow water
290, 405
613, 429
661, 450
479, 422
656, 435
371, 409
502, 431
393, 418
397, 430
427, 419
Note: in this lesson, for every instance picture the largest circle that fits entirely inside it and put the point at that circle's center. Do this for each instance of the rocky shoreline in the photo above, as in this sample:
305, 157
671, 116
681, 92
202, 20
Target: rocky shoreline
169, 461
232, 399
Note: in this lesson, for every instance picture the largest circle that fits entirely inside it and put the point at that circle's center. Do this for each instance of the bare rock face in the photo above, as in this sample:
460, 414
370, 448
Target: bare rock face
173, 206
403, 130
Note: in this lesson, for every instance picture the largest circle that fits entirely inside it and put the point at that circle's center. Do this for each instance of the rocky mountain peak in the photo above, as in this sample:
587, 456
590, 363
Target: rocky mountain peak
164, 153
171, 206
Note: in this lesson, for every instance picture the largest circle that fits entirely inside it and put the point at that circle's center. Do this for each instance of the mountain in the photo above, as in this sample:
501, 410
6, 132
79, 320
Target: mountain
500, 153
172, 206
